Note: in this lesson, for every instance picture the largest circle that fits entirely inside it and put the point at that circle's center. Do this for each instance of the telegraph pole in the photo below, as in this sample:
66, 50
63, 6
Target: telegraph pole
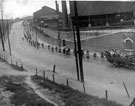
76, 22
36, 38
59, 40
3, 25
76, 54
1, 32
8, 38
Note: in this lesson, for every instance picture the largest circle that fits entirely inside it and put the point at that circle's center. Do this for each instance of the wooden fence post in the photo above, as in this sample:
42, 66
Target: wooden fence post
84, 88
44, 74
106, 94
54, 68
67, 82
126, 89
36, 72
53, 78
16, 63
21, 66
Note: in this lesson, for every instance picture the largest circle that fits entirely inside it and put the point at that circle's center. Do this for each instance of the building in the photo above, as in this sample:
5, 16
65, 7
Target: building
46, 15
45, 12
104, 13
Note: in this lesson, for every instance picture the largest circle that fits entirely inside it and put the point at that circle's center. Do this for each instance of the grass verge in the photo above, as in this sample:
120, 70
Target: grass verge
23, 95
16, 67
72, 97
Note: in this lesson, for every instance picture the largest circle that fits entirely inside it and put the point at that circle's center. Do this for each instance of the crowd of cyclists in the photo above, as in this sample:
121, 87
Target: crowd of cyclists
32, 42
68, 51
64, 50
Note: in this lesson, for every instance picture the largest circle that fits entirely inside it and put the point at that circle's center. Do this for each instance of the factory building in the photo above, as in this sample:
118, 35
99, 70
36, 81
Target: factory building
104, 13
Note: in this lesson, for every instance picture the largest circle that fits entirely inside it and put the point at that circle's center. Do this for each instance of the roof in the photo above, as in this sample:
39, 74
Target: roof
45, 12
101, 7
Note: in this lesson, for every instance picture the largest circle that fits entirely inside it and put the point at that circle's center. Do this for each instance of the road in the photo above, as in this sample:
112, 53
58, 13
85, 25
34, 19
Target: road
99, 76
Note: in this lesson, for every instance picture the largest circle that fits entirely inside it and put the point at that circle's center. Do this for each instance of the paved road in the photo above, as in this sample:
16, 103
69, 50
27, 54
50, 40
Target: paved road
98, 76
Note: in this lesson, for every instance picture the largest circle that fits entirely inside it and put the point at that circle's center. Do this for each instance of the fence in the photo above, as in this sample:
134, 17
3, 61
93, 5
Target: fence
54, 76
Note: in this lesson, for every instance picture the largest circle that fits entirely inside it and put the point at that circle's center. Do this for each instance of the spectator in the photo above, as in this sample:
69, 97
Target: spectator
68, 51
64, 50
94, 55
82, 51
48, 46
102, 55
56, 49
87, 55
42, 45
52, 48
59, 50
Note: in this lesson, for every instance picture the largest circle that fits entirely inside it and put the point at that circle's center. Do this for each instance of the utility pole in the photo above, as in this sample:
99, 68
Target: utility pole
59, 40
8, 38
3, 25
1, 32
76, 22
36, 38
76, 54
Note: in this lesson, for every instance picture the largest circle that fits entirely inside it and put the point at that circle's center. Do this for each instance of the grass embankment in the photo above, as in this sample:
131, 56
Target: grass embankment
14, 66
72, 97
19, 68
23, 95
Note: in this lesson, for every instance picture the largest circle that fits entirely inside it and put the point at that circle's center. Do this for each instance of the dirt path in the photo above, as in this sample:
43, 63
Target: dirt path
7, 70
37, 90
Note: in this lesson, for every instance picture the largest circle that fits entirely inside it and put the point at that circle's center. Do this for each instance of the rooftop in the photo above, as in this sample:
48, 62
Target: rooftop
101, 7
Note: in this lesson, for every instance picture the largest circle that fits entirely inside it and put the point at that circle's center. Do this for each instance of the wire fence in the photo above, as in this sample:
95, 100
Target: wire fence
56, 77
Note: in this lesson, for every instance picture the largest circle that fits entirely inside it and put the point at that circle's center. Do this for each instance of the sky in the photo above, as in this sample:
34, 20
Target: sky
20, 8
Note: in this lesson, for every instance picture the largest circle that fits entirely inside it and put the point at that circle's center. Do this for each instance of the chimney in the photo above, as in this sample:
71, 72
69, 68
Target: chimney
64, 13
57, 7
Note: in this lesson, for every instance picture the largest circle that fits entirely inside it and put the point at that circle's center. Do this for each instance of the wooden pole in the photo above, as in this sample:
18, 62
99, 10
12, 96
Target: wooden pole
36, 72
76, 54
106, 94
53, 78
8, 38
84, 88
126, 89
76, 21
1, 33
44, 74
54, 68
21, 66
67, 82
